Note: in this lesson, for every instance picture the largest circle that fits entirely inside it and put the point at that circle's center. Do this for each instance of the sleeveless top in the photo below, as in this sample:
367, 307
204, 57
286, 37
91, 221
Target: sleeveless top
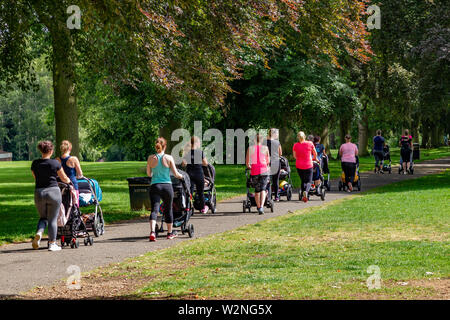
258, 161
406, 142
70, 172
160, 173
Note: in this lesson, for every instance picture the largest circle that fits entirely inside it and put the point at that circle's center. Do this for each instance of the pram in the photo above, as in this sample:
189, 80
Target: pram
250, 201
317, 173
182, 207
209, 192
387, 163
409, 170
91, 195
285, 186
70, 222
356, 181
325, 170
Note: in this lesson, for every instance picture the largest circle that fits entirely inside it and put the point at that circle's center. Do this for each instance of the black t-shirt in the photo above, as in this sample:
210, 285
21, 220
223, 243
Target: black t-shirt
46, 172
194, 160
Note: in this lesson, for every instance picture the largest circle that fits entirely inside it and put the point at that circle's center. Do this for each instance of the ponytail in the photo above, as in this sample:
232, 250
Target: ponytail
160, 145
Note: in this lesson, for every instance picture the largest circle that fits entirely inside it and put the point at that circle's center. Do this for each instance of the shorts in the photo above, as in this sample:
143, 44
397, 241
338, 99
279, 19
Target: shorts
259, 182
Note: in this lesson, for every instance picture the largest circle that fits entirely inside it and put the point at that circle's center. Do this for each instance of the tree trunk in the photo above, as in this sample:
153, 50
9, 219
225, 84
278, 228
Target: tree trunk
325, 139
363, 135
425, 134
436, 137
66, 111
287, 140
344, 128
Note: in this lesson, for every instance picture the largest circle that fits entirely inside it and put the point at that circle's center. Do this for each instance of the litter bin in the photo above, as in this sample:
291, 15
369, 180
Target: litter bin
139, 188
416, 151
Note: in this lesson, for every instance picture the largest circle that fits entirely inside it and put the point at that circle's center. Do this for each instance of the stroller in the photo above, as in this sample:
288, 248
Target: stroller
70, 222
356, 181
317, 173
91, 194
387, 163
285, 187
250, 201
409, 170
182, 207
325, 170
209, 192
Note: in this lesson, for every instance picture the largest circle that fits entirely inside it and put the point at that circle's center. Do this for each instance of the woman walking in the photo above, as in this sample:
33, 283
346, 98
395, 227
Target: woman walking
378, 145
275, 152
348, 153
47, 195
257, 160
194, 160
159, 166
406, 151
71, 166
304, 155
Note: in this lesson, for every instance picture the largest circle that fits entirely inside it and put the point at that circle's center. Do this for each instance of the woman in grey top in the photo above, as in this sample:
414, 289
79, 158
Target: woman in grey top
275, 152
47, 195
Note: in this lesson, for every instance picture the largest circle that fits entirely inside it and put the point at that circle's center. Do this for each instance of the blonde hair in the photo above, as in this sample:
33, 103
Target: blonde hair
273, 132
160, 144
65, 146
301, 136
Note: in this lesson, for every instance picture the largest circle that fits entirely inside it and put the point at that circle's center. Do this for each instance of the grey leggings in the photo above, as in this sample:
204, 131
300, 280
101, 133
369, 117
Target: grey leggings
48, 202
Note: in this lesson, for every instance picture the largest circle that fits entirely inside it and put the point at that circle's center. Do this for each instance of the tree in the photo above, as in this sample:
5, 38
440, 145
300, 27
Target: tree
190, 47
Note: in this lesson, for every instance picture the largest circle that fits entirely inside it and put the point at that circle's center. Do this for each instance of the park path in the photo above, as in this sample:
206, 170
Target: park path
22, 268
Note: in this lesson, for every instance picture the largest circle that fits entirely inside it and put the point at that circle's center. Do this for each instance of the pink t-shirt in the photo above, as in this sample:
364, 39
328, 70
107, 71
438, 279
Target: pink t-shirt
348, 151
258, 160
303, 152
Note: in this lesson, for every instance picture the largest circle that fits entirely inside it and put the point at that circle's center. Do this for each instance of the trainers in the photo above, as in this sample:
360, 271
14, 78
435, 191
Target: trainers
53, 247
261, 210
350, 187
277, 199
152, 237
205, 210
36, 241
172, 235
305, 197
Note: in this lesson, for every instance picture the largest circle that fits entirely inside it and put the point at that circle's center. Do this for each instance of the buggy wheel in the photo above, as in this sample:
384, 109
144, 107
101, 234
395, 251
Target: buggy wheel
322, 194
244, 206
91, 241
359, 184
156, 230
86, 241
271, 206
289, 194
63, 243
191, 230
340, 186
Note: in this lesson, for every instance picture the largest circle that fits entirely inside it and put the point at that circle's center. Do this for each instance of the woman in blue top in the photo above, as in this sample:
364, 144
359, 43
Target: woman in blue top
71, 166
159, 166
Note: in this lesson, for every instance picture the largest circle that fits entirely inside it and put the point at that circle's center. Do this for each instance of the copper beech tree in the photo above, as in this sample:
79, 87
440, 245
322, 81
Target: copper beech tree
190, 47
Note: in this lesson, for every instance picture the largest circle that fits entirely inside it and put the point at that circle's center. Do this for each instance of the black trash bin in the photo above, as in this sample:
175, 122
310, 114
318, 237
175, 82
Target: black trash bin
139, 188
416, 151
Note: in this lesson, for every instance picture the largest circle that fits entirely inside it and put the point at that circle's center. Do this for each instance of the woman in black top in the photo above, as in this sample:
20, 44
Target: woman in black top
47, 195
194, 159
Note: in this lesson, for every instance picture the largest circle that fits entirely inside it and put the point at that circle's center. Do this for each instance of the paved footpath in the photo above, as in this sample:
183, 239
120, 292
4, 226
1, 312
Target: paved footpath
22, 268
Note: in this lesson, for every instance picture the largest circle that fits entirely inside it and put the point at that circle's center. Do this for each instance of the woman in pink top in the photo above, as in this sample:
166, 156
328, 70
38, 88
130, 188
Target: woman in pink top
304, 154
257, 160
348, 153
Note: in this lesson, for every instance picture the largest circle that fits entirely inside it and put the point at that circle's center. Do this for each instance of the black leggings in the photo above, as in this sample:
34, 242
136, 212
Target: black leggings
276, 181
306, 176
349, 169
198, 179
162, 191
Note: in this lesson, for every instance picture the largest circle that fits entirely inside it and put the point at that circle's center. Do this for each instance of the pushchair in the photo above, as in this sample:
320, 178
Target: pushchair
209, 191
387, 163
70, 222
250, 201
410, 169
91, 195
317, 175
285, 186
356, 181
182, 207
325, 171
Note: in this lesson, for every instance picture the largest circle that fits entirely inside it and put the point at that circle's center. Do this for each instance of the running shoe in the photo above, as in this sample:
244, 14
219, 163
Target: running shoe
350, 187
305, 197
53, 247
152, 237
277, 199
172, 235
205, 210
261, 210
36, 241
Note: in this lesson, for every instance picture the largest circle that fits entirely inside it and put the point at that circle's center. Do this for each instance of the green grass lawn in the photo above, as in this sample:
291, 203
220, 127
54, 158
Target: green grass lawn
18, 216
316, 253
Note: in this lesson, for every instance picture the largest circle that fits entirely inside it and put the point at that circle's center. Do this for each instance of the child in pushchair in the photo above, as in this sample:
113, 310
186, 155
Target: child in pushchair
318, 187
387, 159
70, 223
91, 195
285, 186
182, 207
209, 191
